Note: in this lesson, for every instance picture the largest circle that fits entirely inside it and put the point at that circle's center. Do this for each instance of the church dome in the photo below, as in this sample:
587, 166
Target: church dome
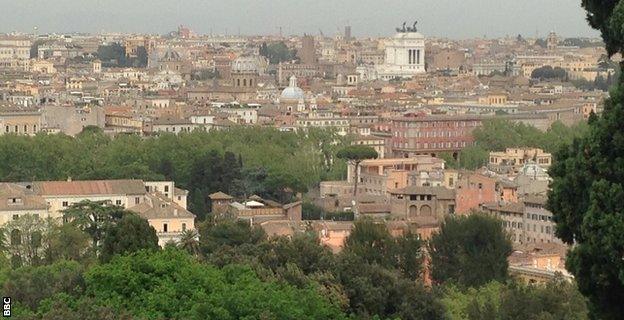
292, 92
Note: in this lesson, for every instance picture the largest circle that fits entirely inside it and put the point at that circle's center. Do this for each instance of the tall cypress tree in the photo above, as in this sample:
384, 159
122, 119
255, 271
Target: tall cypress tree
587, 196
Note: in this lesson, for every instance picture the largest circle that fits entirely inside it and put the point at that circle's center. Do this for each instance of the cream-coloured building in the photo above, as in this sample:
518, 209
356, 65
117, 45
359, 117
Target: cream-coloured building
14, 51
19, 120
404, 56
512, 160
42, 66
16, 201
159, 202
166, 216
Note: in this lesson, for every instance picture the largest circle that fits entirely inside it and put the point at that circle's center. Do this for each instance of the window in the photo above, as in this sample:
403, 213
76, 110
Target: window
118, 202
15, 216
165, 227
166, 188
65, 204
184, 227
137, 200
16, 237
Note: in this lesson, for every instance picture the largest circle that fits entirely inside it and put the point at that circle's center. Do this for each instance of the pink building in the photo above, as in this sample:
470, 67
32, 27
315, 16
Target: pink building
473, 190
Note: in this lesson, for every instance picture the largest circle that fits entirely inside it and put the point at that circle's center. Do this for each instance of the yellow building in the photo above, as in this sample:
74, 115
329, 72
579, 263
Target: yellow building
159, 202
168, 218
16, 201
512, 159
18, 120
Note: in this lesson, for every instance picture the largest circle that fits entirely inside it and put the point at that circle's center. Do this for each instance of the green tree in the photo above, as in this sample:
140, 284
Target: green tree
377, 291
25, 243
30, 285
356, 154
472, 303
470, 251
189, 241
548, 72
558, 299
277, 52
181, 288
373, 243
93, 217
228, 233
303, 250
66, 242
587, 193
132, 233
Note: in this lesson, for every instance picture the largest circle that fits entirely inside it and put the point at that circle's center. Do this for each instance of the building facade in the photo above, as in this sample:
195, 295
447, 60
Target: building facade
404, 56
415, 135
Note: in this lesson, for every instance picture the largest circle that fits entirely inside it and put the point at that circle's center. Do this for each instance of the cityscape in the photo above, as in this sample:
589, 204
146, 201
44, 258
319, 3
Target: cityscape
313, 175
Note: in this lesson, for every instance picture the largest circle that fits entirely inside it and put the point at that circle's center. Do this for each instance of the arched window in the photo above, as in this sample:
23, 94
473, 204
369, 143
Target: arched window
35, 239
16, 237
425, 210
413, 211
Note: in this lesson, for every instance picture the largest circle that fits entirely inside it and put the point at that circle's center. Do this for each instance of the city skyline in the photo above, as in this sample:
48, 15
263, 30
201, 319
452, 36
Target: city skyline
502, 18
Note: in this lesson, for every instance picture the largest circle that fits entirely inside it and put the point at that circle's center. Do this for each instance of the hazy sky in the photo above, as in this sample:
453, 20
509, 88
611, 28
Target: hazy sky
448, 18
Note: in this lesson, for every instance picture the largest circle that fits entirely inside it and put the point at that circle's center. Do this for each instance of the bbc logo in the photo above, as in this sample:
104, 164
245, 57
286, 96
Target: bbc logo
6, 307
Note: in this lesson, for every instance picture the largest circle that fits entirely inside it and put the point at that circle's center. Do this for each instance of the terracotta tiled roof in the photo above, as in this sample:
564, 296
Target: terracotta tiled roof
89, 187
220, 196
27, 199
159, 207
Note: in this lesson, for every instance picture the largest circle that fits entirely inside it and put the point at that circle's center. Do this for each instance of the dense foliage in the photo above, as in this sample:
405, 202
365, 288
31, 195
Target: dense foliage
470, 251
548, 72
498, 134
587, 191
234, 271
558, 299
240, 161
165, 285
310, 211
277, 52
114, 55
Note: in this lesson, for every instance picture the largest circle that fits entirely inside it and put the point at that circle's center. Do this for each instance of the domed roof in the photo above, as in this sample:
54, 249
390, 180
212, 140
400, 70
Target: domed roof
292, 92
245, 64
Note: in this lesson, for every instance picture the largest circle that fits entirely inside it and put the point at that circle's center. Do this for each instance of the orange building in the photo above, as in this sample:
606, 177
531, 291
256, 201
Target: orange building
473, 190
